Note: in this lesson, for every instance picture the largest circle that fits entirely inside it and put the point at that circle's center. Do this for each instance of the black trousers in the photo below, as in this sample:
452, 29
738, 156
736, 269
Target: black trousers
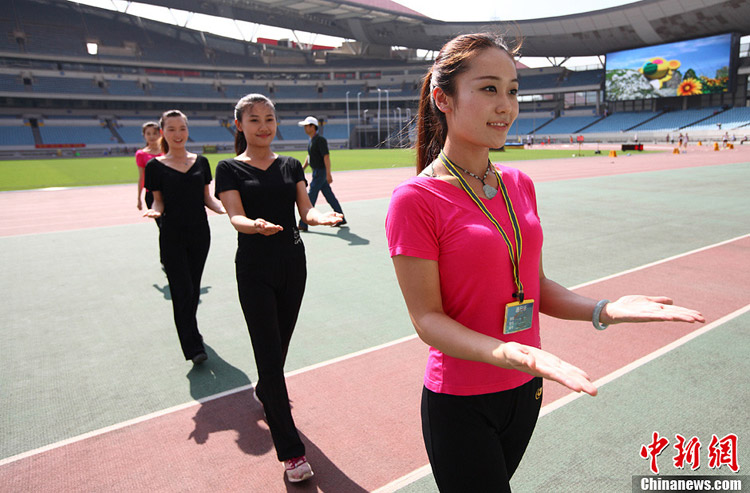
184, 251
475, 443
149, 202
270, 288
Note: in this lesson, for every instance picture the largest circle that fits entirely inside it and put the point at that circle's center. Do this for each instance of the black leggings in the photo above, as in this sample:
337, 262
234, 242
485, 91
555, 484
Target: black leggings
476, 442
271, 287
184, 251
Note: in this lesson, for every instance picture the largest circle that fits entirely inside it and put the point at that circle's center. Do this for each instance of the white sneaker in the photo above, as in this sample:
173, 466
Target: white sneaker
298, 469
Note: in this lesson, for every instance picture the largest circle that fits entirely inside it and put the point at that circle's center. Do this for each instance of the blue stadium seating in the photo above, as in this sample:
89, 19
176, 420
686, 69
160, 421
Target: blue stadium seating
524, 126
177, 89
16, 136
620, 122
237, 91
582, 78
730, 119
65, 85
210, 134
568, 124
124, 88
76, 134
296, 92
11, 83
675, 120
335, 131
291, 132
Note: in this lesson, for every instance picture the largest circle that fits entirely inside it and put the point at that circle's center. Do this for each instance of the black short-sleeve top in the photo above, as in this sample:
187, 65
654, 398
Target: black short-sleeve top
269, 194
182, 193
317, 149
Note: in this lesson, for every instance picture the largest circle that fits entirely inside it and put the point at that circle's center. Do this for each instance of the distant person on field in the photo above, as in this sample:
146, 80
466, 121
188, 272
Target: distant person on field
319, 160
686, 140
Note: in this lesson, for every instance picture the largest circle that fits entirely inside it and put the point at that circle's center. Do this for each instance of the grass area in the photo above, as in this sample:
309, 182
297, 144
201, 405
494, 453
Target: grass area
44, 173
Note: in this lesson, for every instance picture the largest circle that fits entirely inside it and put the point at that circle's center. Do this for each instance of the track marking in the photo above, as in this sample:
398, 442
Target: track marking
662, 261
413, 475
189, 404
423, 471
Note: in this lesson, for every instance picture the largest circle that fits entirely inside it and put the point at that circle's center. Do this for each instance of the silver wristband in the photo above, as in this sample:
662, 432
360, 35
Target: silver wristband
597, 313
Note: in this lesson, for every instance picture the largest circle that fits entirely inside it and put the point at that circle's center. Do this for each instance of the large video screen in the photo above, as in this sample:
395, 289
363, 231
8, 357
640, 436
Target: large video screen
685, 68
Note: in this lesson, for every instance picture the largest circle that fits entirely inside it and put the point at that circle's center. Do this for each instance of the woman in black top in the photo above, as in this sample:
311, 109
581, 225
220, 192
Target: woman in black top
259, 190
179, 181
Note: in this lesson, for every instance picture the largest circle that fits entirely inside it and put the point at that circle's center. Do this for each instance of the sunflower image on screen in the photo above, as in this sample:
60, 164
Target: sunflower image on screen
659, 70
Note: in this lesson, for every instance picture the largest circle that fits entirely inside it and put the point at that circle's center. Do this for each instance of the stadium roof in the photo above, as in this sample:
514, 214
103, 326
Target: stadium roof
385, 22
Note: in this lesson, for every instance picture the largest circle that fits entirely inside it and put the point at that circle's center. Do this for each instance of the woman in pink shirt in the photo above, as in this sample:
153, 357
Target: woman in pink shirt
151, 135
466, 244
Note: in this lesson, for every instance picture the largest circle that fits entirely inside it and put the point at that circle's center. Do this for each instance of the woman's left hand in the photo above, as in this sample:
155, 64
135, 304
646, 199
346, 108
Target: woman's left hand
152, 214
639, 308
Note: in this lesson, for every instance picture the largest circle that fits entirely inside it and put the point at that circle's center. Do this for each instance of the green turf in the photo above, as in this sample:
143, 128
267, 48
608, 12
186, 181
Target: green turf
44, 173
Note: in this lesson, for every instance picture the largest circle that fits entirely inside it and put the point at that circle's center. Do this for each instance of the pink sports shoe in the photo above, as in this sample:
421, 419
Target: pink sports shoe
298, 469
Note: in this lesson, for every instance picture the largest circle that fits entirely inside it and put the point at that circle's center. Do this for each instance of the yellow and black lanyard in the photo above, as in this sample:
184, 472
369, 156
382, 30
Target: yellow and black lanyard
517, 314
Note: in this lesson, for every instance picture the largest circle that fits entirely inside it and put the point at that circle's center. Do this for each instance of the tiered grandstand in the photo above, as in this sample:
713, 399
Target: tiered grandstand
60, 99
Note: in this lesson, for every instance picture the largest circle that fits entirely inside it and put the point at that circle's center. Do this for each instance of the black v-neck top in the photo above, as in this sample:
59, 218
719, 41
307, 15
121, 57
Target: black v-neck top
269, 194
182, 193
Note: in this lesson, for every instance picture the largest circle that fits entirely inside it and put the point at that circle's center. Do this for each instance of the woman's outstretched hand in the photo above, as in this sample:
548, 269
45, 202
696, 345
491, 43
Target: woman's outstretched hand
639, 308
265, 228
152, 214
330, 219
540, 363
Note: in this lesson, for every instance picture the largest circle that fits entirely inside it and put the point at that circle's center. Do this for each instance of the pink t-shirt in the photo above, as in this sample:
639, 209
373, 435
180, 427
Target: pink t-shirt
431, 219
142, 157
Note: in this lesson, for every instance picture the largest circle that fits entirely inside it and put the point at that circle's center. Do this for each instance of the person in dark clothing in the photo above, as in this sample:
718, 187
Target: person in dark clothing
319, 160
259, 190
179, 181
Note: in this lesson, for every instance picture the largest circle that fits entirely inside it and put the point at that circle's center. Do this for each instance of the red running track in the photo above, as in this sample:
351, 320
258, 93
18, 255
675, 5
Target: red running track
40, 211
360, 416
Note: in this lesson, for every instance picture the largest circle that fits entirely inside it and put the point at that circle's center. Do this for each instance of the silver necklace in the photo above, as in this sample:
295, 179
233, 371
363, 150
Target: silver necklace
488, 190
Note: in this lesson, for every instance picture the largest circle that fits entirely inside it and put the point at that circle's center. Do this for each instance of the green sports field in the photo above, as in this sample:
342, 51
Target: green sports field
45, 173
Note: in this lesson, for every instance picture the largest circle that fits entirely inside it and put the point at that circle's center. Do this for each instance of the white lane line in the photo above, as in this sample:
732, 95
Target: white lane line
189, 404
423, 471
186, 405
662, 261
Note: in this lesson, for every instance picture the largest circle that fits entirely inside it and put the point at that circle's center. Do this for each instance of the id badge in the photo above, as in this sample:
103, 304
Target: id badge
518, 316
